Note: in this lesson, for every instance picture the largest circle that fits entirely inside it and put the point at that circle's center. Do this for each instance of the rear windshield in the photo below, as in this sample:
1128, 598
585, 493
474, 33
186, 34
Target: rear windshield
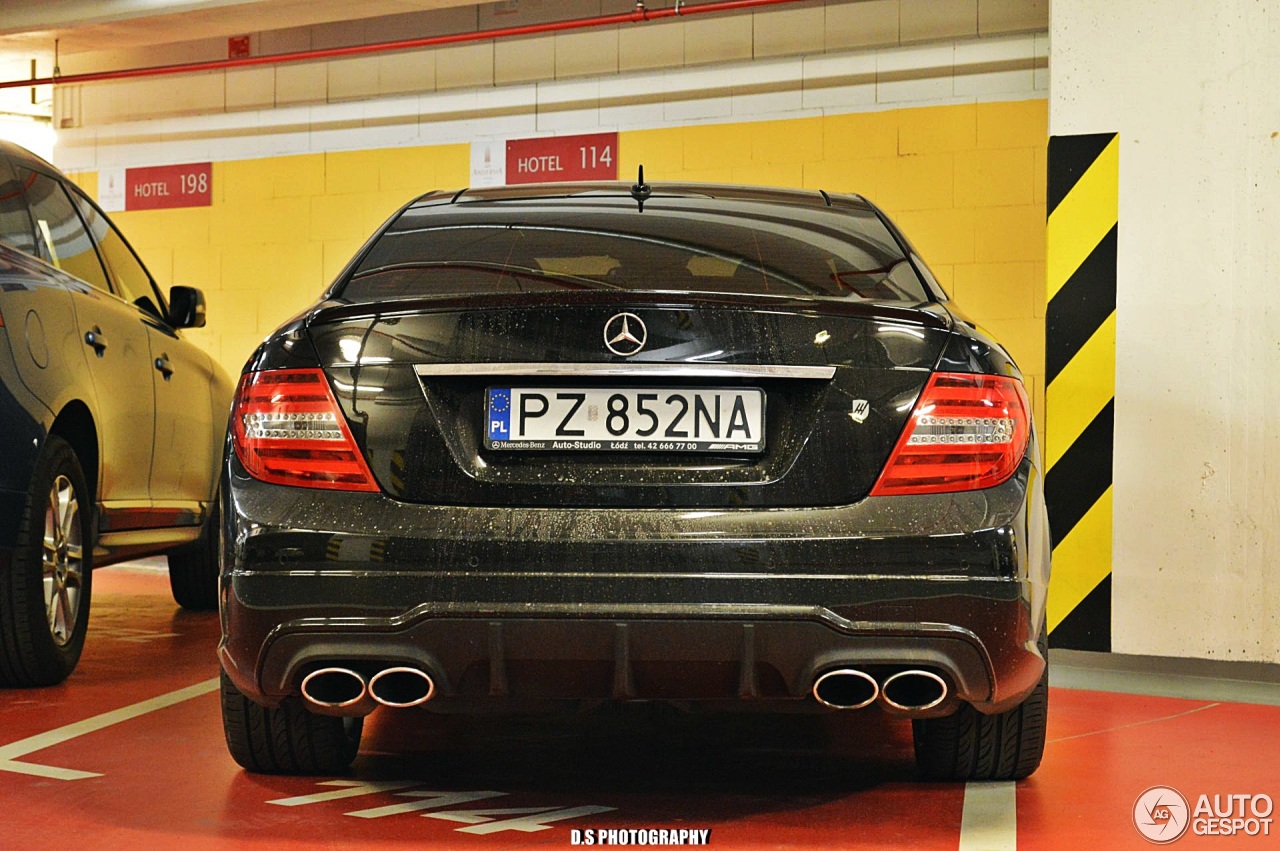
675, 245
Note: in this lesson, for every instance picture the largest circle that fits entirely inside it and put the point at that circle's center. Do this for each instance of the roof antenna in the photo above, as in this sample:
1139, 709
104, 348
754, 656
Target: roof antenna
641, 190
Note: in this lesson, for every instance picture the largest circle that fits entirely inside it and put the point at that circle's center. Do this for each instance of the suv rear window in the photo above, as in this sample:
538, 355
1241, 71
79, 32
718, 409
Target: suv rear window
675, 245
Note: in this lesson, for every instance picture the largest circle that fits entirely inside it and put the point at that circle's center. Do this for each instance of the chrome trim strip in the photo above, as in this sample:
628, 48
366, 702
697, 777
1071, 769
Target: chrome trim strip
629, 370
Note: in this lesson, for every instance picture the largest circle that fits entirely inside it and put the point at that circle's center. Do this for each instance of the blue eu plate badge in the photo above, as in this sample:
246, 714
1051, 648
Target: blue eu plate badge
499, 414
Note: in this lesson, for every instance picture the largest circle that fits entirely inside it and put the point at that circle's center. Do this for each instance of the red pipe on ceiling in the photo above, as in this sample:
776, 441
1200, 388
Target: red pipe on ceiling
640, 15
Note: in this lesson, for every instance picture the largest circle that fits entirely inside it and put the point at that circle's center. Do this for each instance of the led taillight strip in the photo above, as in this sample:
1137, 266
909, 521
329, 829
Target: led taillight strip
967, 432
287, 429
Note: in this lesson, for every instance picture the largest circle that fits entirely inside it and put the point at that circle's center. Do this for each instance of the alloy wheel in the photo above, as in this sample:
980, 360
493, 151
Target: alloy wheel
63, 560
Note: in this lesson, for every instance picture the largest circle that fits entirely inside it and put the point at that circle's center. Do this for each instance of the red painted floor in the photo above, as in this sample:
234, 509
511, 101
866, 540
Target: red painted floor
842, 781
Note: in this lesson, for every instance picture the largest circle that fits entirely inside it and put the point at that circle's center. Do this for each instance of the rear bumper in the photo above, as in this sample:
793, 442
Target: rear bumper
713, 653
505, 607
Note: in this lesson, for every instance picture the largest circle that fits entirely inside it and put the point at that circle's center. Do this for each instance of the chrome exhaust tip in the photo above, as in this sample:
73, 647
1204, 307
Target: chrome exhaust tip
846, 688
914, 691
336, 691
402, 687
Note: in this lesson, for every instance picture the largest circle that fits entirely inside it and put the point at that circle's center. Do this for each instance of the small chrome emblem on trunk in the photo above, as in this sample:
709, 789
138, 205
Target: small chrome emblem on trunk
860, 410
625, 334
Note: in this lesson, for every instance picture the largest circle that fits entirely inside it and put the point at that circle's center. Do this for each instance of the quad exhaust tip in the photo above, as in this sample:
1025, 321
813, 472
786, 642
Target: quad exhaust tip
401, 687
334, 689
846, 688
914, 691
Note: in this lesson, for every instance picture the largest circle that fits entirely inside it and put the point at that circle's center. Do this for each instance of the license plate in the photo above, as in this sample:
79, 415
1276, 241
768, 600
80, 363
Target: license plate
637, 419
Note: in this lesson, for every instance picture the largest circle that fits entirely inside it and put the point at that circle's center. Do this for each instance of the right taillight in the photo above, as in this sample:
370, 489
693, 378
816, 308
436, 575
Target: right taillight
967, 432
287, 429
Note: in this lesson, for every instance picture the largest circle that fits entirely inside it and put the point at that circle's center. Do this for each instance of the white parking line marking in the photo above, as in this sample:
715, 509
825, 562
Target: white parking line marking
481, 816
136, 636
434, 800
356, 788
10, 753
527, 824
141, 565
989, 821
528, 819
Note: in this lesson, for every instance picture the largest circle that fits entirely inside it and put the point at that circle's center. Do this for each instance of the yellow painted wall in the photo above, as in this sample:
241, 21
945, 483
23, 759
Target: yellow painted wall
966, 183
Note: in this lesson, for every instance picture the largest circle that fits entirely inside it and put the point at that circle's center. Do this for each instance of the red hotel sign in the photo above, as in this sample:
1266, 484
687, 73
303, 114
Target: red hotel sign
165, 186
551, 158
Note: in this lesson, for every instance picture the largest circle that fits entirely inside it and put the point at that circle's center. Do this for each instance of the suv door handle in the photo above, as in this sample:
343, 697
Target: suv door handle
96, 340
162, 364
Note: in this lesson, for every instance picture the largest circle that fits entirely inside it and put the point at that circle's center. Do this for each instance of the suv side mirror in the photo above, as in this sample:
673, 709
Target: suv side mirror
186, 307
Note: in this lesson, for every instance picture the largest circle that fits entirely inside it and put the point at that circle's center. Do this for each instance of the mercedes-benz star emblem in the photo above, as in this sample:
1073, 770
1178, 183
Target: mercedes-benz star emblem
625, 334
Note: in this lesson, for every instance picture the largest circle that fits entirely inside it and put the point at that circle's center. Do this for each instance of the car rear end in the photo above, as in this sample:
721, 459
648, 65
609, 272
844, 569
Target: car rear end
729, 452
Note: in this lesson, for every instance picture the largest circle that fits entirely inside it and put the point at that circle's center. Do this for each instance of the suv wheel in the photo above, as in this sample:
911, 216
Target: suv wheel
193, 569
968, 745
44, 596
287, 739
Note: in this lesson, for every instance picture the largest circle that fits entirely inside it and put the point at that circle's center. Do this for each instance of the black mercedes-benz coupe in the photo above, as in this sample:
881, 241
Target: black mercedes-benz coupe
113, 424
720, 447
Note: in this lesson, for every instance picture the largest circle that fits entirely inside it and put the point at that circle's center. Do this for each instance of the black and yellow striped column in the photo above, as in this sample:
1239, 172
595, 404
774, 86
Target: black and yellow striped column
1080, 375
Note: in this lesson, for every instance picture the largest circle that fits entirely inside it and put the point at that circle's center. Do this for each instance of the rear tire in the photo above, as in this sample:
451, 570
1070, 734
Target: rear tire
44, 596
287, 739
968, 745
193, 569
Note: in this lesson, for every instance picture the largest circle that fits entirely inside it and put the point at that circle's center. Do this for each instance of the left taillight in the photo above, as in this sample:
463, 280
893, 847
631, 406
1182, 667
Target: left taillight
287, 429
967, 432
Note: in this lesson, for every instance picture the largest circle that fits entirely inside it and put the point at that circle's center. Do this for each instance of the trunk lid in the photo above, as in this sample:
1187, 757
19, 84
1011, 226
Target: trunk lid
413, 378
